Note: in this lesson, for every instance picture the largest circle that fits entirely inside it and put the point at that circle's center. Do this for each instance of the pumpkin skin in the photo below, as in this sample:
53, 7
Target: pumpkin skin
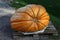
30, 18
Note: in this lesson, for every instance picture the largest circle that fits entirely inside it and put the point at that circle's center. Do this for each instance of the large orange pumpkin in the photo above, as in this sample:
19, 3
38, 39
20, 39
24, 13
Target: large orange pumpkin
30, 18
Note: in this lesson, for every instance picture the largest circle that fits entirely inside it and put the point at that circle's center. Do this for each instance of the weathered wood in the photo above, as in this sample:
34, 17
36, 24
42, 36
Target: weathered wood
50, 30
21, 37
36, 37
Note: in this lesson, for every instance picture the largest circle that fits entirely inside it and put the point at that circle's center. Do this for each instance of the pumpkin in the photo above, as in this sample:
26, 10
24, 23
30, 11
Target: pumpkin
30, 18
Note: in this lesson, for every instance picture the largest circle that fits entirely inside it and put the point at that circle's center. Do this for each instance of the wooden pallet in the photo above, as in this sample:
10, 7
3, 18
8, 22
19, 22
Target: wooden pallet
50, 30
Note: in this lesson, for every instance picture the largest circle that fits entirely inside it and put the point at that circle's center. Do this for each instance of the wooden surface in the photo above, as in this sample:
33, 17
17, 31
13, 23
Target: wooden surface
51, 30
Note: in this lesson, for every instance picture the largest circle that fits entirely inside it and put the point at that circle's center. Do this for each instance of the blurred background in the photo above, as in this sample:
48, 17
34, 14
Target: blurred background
52, 7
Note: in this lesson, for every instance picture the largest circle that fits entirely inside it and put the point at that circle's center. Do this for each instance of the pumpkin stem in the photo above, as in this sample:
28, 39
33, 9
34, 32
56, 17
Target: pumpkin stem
35, 20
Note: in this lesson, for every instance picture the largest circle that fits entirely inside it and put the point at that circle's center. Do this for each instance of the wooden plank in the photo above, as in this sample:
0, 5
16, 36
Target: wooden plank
21, 37
41, 36
51, 29
36, 37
